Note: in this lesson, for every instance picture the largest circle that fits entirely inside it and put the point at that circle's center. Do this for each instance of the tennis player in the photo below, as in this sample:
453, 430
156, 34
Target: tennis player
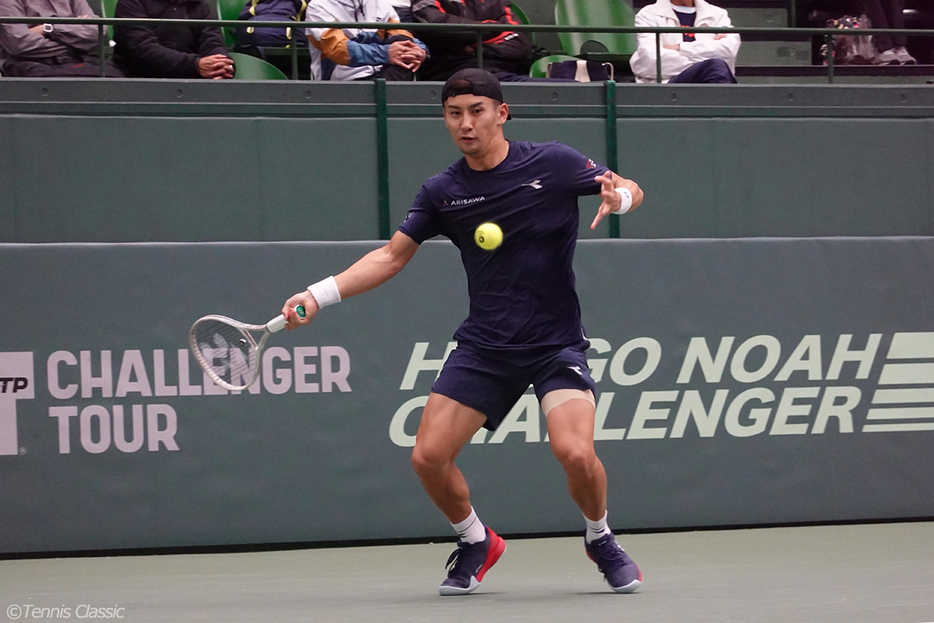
524, 324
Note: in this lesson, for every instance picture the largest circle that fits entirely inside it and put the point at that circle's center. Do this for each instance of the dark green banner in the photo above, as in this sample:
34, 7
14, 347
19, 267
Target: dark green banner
739, 382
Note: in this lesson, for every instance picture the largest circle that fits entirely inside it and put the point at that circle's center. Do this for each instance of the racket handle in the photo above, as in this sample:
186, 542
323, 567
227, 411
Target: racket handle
278, 323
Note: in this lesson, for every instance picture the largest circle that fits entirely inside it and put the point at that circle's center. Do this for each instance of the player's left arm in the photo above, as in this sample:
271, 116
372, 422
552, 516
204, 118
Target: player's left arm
613, 199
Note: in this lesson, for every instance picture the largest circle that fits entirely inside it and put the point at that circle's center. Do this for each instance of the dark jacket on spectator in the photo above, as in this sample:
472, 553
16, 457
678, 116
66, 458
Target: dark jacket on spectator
451, 51
165, 51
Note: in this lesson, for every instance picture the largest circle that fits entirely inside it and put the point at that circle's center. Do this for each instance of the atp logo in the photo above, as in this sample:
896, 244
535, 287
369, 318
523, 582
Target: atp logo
16, 383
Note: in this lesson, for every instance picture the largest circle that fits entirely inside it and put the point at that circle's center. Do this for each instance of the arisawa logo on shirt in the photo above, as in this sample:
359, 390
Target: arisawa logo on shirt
463, 202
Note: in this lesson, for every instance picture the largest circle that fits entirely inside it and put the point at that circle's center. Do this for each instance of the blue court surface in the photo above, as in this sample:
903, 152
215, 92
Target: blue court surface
854, 573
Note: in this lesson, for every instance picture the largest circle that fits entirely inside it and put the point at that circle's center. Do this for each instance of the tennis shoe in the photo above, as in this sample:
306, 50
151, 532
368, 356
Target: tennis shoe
617, 567
470, 562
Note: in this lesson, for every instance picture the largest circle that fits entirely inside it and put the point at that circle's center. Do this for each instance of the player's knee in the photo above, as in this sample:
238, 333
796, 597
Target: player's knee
575, 457
425, 460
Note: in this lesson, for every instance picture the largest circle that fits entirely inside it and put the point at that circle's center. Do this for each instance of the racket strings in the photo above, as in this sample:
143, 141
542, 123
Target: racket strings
227, 351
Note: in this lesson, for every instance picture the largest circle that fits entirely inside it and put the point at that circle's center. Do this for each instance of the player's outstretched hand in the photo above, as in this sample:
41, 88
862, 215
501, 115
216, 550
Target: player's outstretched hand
292, 319
611, 199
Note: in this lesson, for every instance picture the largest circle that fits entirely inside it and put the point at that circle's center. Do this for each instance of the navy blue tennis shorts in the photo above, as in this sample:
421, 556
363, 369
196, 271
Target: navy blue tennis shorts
491, 381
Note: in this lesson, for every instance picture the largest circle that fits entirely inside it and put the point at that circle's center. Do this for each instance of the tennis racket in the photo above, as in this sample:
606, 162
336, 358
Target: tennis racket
229, 351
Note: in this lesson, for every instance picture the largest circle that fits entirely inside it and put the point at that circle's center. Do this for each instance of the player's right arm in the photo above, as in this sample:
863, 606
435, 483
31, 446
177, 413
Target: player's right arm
373, 269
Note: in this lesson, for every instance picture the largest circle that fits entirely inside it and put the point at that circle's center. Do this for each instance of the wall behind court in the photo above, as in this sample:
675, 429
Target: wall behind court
133, 161
738, 382
758, 378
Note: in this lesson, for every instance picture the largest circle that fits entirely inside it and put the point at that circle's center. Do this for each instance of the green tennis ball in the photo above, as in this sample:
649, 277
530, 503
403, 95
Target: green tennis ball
488, 236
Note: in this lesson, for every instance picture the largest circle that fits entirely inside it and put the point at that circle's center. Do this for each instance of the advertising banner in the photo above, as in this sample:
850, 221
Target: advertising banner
739, 382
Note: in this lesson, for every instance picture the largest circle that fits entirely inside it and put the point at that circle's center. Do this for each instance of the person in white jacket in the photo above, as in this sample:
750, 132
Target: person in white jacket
686, 57
343, 54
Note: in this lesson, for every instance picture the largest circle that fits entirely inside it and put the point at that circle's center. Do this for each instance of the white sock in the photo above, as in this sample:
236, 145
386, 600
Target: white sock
471, 530
596, 529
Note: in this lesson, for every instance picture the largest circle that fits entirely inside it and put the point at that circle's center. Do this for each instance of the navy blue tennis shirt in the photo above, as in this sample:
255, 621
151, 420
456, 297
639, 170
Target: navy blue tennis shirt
522, 293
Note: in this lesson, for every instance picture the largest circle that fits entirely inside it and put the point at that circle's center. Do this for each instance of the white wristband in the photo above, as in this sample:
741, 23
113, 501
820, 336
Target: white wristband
325, 292
625, 200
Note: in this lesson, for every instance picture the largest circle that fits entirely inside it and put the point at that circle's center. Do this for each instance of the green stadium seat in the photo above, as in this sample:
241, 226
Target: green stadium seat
519, 13
521, 17
107, 10
252, 68
596, 46
229, 9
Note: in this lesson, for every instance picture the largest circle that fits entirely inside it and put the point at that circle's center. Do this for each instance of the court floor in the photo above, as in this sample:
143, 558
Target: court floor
859, 573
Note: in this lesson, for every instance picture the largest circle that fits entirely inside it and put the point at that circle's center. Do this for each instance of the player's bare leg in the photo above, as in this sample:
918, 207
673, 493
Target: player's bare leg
446, 427
570, 430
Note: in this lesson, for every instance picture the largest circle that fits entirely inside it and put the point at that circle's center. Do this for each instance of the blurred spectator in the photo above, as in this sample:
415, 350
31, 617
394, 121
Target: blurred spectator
403, 9
170, 51
506, 54
889, 14
354, 53
252, 40
704, 58
44, 50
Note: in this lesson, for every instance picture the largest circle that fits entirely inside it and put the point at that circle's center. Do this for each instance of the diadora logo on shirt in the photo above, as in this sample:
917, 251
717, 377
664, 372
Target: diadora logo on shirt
537, 184
464, 202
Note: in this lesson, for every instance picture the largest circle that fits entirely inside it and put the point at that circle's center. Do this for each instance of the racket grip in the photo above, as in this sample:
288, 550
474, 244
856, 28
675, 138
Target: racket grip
278, 323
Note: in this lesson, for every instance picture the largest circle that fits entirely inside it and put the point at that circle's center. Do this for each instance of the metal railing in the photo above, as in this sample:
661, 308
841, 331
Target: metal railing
781, 33
480, 29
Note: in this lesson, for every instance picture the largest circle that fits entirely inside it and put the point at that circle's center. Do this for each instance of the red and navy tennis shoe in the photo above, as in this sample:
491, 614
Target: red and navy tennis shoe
617, 567
470, 562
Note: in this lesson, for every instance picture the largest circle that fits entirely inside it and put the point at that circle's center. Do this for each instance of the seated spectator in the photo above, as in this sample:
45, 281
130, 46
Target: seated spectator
889, 14
170, 51
403, 9
45, 50
251, 40
508, 55
356, 54
704, 58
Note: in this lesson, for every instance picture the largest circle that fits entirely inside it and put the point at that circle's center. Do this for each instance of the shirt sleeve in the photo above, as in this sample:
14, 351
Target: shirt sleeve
422, 222
580, 170
79, 36
366, 49
17, 40
209, 39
